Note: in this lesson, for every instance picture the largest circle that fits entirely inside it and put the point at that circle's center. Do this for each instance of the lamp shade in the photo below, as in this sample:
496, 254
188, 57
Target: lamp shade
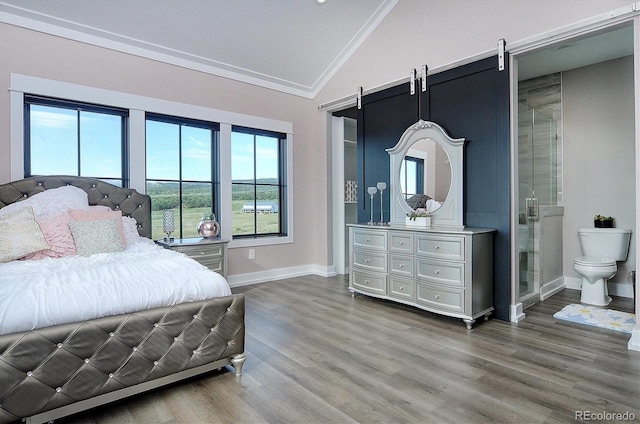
168, 224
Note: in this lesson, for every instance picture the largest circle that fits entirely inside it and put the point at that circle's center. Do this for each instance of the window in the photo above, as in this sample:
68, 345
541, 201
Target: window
70, 138
159, 151
181, 174
412, 176
258, 189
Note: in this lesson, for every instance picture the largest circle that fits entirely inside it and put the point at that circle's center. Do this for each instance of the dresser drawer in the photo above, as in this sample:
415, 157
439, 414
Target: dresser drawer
209, 252
370, 261
401, 265
446, 273
370, 239
371, 283
443, 298
202, 250
440, 247
213, 263
401, 242
401, 288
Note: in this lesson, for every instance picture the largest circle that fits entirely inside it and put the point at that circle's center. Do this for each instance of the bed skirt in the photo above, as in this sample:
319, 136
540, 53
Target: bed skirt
56, 371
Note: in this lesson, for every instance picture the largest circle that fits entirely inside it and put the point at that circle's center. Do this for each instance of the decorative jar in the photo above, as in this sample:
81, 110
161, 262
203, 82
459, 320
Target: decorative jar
208, 227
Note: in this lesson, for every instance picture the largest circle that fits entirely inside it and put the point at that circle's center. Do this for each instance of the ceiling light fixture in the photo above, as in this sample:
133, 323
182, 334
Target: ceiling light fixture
320, 2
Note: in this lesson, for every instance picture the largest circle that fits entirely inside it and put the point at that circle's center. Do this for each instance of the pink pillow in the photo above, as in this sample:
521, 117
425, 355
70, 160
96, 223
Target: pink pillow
93, 215
57, 233
99, 208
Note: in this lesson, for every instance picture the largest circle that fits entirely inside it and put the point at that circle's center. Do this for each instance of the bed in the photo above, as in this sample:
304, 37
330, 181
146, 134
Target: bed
51, 371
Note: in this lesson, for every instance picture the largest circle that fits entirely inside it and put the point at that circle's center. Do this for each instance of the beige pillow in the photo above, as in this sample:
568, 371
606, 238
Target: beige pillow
20, 235
93, 237
98, 215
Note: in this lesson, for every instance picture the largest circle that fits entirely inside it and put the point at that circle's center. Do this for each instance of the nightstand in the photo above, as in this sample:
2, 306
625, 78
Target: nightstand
210, 252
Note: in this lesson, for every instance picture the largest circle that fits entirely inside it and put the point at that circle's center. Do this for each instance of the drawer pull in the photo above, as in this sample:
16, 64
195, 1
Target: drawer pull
437, 246
201, 253
366, 282
366, 261
436, 296
367, 240
401, 243
401, 288
437, 272
401, 265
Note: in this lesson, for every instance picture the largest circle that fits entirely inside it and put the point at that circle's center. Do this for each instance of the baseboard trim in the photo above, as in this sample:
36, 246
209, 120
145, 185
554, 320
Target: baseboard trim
615, 289
574, 283
551, 288
621, 289
516, 313
239, 280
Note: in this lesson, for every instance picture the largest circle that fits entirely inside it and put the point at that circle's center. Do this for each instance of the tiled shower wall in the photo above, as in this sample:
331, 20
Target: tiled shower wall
544, 94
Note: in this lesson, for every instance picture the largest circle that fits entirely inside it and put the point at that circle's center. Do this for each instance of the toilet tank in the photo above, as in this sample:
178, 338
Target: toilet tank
610, 242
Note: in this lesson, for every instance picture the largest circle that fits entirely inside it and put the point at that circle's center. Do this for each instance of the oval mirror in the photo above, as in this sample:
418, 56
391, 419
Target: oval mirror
425, 175
441, 180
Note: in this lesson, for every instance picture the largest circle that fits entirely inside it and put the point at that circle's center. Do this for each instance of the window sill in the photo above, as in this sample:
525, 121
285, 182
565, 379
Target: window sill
260, 241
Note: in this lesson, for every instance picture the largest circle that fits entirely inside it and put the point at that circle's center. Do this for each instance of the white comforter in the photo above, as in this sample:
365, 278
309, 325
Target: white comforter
36, 294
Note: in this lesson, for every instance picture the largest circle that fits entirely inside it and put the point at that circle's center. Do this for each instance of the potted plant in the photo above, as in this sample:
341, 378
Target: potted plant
418, 218
601, 221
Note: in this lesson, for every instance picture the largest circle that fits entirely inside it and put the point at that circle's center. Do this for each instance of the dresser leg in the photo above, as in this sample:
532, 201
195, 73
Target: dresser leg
469, 323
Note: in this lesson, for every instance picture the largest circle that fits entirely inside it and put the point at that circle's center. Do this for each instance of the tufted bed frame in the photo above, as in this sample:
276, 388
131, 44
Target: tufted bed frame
56, 371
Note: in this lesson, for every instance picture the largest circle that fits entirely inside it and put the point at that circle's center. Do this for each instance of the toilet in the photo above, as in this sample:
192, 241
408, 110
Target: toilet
602, 247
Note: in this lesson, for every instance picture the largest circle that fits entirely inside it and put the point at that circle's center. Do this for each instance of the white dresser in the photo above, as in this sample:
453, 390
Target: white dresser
448, 272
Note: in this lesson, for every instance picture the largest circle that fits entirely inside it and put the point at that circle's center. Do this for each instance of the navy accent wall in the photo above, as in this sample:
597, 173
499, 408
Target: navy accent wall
382, 120
470, 101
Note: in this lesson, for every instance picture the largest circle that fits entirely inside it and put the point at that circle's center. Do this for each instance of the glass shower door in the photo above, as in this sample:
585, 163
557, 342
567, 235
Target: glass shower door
537, 179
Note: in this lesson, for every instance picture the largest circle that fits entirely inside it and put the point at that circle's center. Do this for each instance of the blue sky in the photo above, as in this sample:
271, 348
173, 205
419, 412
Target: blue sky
54, 148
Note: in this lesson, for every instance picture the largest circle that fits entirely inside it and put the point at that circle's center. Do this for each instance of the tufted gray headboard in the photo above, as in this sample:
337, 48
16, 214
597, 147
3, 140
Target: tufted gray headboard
129, 201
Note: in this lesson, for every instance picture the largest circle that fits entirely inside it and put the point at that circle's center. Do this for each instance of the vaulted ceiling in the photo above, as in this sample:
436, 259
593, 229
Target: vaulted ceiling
293, 46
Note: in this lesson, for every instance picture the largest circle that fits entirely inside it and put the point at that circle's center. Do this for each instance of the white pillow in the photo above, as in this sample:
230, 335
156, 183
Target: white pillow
52, 202
130, 228
20, 235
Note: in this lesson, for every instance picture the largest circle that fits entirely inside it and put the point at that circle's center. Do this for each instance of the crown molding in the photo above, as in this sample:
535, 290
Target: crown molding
24, 18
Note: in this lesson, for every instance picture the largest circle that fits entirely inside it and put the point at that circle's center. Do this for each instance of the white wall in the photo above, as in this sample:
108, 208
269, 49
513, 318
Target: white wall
599, 154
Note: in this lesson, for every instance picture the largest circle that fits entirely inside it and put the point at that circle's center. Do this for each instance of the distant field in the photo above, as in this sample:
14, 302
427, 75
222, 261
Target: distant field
242, 222
195, 196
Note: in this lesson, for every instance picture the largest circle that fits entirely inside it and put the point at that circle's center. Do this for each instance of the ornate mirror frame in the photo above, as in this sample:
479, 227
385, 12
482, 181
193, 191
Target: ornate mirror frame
451, 213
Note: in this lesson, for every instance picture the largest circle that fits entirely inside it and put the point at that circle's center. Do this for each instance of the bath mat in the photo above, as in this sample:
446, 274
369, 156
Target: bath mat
597, 317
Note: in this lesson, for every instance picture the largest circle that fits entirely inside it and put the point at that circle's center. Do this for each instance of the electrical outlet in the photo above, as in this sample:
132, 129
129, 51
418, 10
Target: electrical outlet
252, 253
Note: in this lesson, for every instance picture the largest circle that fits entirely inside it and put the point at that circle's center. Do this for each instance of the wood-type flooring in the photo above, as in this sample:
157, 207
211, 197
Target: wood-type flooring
317, 355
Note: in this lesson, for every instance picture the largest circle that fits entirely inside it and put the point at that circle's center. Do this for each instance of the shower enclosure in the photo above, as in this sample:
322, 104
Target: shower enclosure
539, 184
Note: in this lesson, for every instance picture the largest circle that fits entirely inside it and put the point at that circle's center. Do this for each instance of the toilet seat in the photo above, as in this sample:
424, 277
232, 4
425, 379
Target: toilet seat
594, 261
